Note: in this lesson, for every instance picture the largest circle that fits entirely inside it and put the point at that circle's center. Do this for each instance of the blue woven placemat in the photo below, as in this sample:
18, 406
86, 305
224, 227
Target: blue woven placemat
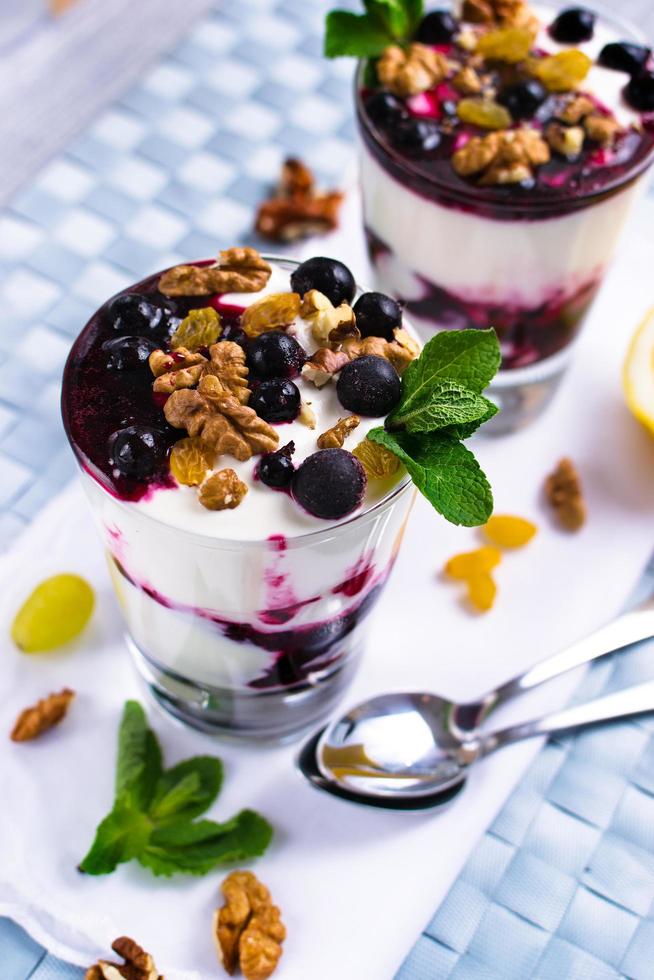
562, 885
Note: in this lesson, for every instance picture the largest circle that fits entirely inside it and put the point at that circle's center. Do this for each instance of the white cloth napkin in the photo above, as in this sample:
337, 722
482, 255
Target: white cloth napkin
355, 885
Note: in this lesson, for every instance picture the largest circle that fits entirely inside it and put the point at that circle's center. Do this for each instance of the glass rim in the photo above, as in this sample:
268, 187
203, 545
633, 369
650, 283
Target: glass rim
237, 544
471, 195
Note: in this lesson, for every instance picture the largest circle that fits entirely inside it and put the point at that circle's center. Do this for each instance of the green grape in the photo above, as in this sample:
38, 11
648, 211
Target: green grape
55, 613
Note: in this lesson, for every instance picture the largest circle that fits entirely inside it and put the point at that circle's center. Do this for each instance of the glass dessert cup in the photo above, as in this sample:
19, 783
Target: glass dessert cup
461, 255
256, 637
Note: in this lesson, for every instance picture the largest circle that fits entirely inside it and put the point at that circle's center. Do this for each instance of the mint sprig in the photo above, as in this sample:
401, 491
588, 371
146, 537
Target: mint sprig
152, 819
366, 35
442, 404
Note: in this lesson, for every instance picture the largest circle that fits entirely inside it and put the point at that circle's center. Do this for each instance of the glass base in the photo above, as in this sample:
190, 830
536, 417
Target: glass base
524, 393
272, 715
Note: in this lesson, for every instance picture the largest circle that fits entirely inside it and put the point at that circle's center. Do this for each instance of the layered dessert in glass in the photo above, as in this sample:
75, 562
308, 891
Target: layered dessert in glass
501, 150
249, 524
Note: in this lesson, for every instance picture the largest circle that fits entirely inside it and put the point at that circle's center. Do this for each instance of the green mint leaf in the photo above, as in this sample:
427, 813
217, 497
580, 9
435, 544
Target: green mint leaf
196, 848
414, 10
391, 14
438, 405
358, 35
121, 836
139, 758
187, 790
465, 430
444, 471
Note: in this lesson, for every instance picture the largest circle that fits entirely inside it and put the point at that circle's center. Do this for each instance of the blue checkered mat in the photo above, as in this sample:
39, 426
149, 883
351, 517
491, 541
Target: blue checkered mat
562, 885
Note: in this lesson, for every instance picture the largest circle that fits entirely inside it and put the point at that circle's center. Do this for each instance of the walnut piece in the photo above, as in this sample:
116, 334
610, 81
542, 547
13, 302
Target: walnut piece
601, 129
413, 71
564, 492
467, 81
576, 109
228, 365
335, 437
566, 140
325, 363
138, 964
183, 369
248, 929
222, 491
218, 418
503, 157
500, 13
400, 351
297, 210
238, 270
323, 316
306, 415
42, 716
270, 313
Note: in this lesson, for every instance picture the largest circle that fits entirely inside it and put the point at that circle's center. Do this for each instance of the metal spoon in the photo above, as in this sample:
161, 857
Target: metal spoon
410, 745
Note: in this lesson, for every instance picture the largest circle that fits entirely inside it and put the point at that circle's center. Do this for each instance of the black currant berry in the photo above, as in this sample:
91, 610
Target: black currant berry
437, 27
276, 469
384, 109
328, 276
623, 56
330, 484
574, 25
369, 385
640, 91
275, 355
377, 315
128, 353
137, 451
523, 99
415, 135
133, 313
277, 400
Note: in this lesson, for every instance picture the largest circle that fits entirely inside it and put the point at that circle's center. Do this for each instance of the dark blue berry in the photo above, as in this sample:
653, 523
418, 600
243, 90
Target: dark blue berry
623, 56
573, 25
640, 91
330, 484
328, 276
133, 313
383, 108
523, 99
377, 315
235, 334
437, 27
276, 469
275, 355
128, 353
276, 401
415, 135
369, 385
137, 451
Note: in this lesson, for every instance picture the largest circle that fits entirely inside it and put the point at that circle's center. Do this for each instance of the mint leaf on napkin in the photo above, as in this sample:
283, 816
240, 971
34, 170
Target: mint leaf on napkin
153, 811
444, 471
366, 35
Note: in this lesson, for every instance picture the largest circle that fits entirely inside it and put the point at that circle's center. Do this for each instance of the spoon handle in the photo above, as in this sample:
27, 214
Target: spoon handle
631, 701
632, 626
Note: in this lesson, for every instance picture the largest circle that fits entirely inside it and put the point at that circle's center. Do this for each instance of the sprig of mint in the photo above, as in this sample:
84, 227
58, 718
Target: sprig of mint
441, 404
152, 819
366, 35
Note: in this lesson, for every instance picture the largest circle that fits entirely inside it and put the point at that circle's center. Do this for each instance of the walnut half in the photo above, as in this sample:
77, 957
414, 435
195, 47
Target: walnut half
238, 270
222, 491
248, 928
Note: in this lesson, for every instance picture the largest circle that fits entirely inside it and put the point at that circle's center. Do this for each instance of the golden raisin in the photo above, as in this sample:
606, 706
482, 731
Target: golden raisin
484, 113
270, 313
201, 328
376, 460
190, 460
470, 564
509, 44
509, 532
482, 591
563, 71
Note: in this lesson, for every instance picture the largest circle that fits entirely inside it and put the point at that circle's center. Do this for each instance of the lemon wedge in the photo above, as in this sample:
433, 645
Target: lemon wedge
638, 373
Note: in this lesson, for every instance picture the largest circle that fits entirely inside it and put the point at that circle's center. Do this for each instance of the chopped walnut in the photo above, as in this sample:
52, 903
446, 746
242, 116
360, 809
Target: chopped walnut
307, 416
222, 491
42, 716
297, 210
564, 492
183, 369
138, 964
218, 418
335, 437
500, 13
345, 329
601, 129
228, 365
467, 81
400, 351
248, 929
324, 364
324, 318
413, 71
576, 109
566, 140
238, 270
503, 157
270, 313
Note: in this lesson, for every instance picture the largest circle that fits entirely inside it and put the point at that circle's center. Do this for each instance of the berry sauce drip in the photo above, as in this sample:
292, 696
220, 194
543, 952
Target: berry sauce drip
107, 390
